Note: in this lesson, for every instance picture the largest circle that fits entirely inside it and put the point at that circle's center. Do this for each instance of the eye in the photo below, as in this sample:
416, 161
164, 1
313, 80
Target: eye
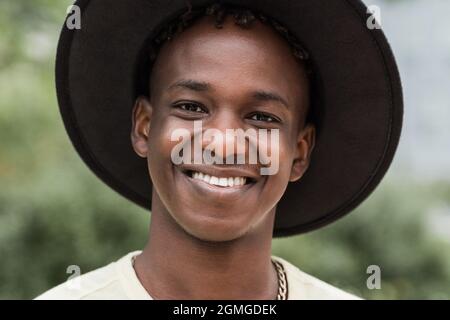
264, 117
190, 107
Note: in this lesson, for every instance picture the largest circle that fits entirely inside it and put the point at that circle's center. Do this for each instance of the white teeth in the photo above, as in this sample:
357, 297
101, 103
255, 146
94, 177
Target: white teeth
220, 181
223, 182
214, 180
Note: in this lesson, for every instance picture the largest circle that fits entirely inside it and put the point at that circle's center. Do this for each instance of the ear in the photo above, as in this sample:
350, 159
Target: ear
305, 144
141, 119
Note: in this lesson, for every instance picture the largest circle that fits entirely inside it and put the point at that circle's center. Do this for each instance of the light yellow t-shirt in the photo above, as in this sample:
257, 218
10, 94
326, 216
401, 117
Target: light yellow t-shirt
118, 281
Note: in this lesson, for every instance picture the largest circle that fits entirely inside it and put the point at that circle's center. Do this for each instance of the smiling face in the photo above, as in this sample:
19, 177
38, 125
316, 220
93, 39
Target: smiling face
230, 78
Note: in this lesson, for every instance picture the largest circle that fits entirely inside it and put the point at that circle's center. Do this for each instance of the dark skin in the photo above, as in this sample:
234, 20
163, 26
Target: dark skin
204, 241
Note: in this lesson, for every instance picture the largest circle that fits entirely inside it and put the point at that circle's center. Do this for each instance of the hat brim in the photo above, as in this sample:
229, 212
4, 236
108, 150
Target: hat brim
361, 94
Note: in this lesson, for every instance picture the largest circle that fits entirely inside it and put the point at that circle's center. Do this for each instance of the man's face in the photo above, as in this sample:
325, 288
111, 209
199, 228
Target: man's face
230, 78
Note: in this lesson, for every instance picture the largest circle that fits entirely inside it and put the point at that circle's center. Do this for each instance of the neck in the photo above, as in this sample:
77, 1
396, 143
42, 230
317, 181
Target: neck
177, 265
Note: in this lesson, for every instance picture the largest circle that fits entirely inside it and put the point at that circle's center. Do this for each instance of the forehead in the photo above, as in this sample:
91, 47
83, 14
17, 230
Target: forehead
232, 59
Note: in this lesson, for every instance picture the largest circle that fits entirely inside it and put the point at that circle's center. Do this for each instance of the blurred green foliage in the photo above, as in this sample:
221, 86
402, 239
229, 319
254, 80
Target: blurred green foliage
55, 213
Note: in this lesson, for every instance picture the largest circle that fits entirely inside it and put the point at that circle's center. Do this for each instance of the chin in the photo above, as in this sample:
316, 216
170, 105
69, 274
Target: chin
215, 230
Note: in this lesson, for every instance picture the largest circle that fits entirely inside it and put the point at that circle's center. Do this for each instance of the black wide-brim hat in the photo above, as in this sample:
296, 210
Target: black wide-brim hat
360, 93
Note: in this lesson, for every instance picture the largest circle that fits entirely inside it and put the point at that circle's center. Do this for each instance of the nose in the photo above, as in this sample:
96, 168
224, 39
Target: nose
223, 135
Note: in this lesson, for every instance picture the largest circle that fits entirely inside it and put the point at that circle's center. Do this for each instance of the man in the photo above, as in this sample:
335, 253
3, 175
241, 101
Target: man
332, 99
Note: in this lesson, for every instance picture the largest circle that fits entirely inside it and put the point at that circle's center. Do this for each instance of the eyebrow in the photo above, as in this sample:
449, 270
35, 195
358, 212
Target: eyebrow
262, 95
191, 85
200, 86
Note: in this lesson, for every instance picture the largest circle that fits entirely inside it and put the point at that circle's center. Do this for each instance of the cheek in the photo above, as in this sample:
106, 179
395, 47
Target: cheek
160, 140
277, 183
286, 155
159, 154
277, 153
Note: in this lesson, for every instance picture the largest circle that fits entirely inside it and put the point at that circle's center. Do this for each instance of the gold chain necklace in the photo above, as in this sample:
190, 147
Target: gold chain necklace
281, 275
282, 281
